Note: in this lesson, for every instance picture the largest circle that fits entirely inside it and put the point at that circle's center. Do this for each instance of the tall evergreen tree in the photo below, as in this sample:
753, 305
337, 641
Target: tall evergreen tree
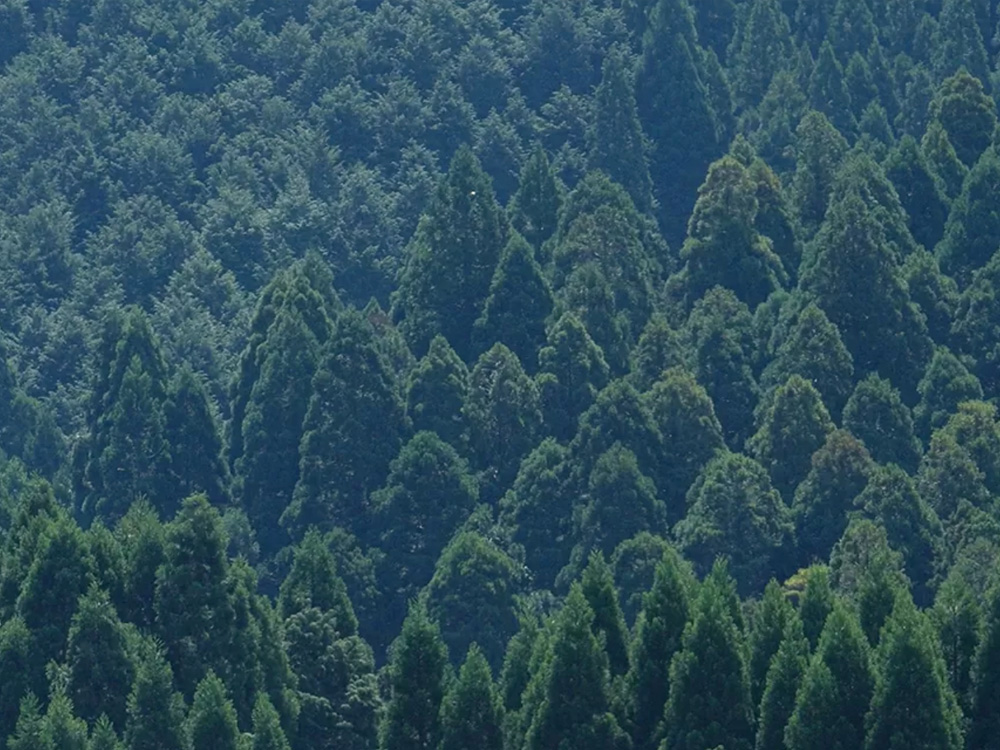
211, 722
452, 259
959, 42
765, 49
665, 612
972, 233
828, 92
966, 112
411, 720
710, 702
618, 145
946, 384
937, 147
767, 631
912, 705
353, 428
436, 394
534, 209
519, 303
609, 623
876, 415
471, 711
920, 191
267, 731
673, 98
575, 710
819, 149
155, 711
783, 680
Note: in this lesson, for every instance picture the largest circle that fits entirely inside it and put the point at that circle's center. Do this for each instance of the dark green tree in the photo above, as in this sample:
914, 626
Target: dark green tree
428, 494
767, 631
877, 416
783, 680
155, 712
819, 149
518, 305
609, 623
411, 720
972, 233
534, 209
690, 431
933, 291
946, 384
966, 112
343, 459
793, 428
99, 661
828, 92
814, 350
920, 191
816, 602
957, 617
267, 731
658, 349
313, 582
194, 614
673, 97
665, 612
103, 736
211, 723
734, 510
710, 702
937, 147
504, 415
852, 28
839, 472
912, 705
452, 258
436, 394
765, 49
61, 728
617, 144
833, 699
575, 709
959, 42
572, 372
471, 711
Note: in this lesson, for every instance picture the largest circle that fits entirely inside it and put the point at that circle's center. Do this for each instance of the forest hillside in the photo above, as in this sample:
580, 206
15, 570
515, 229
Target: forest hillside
499, 375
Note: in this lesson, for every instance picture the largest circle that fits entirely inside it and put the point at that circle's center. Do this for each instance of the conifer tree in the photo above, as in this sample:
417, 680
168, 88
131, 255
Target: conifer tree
411, 720
573, 372
935, 293
609, 623
343, 459
912, 705
852, 28
99, 661
816, 602
61, 729
814, 350
195, 443
793, 428
819, 149
966, 112
765, 49
958, 618
734, 510
877, 416
268, 469
103, 736
946, 384
783, 680
519, 303
211, 722
313, 582
657, 350
855, 279
193, 612
24, 677
621, 502
722, 351
959, 42
828, 92
710, 702
673, 97
428, 494
472, 595
27, 734
267, 732
949, 477
504, 415
534, 209
691, 433
972, 233
937, 147
618, 146
588, 295
471, 711
575, 709
723, 247
860, 86
665, 611
452, 259
832, 702
155, 711
919, 190
436, 394
767, 631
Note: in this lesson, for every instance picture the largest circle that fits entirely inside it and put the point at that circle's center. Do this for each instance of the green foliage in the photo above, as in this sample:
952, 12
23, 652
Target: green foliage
710, 702
920, 191
877, 416
972, 233
155, 712
534, 209
313, 582
965, 112
267, 732
212, 719
734, 511
783, 680
471, 711
436, 393
767, 632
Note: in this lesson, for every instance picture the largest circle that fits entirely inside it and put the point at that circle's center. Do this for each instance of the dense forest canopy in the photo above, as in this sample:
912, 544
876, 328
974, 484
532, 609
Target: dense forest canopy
499, 375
